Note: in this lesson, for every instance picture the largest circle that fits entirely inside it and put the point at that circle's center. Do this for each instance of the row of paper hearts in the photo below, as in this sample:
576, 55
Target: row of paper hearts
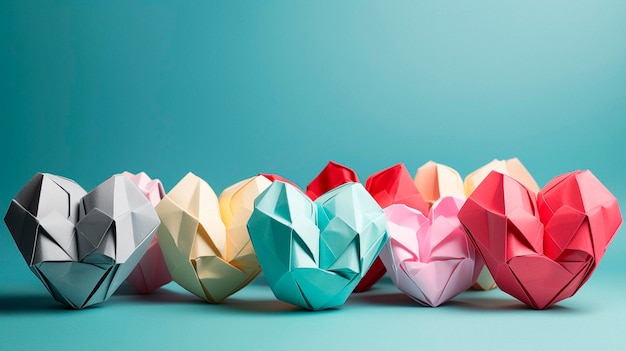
317, 247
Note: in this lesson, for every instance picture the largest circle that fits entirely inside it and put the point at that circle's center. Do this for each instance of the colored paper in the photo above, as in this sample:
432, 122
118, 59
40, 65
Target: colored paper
430, 259
81, 246
314, 253
205, 241
512, 167
541, 249
436, 180
394, 185
151, 272
332, 176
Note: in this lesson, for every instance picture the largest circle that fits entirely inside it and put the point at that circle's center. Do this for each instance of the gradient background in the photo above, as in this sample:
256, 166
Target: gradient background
229, 89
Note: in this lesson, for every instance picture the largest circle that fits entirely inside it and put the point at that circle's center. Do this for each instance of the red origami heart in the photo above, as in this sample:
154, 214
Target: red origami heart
541, 250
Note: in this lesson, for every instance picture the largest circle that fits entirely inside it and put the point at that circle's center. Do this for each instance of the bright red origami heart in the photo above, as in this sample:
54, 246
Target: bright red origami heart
332, 176
541, 250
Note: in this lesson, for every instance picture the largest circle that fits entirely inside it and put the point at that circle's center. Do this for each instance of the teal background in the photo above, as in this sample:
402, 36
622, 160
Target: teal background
227, 89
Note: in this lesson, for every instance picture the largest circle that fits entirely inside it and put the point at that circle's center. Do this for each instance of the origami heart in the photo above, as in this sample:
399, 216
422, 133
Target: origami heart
430, 259
435, 180
151, 272
541, 250
205, 241
81, 246
313, 254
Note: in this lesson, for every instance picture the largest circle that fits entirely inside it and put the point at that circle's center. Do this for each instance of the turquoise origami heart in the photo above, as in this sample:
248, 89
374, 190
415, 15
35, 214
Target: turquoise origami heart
313, 254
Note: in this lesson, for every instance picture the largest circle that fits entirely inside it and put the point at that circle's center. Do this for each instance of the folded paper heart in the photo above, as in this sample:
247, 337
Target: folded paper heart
81, 246
205, 241
541, 249
430, 259
314, 253
151, 272
435, 181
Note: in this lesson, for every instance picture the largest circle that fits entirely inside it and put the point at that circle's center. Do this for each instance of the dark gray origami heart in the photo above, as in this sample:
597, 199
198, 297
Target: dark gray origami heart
81, 246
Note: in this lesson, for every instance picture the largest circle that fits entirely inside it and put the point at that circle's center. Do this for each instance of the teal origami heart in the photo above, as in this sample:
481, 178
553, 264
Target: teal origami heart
313, 254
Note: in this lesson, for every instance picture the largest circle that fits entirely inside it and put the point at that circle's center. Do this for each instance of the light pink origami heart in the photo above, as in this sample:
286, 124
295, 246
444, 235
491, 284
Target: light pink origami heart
430, 259
151, 272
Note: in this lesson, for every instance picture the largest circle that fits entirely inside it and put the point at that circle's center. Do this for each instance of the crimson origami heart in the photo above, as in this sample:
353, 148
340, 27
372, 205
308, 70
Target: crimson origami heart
541, 249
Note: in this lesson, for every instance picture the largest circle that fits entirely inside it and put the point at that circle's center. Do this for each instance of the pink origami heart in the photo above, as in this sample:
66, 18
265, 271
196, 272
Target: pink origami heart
151, 273
430, 259
541, 250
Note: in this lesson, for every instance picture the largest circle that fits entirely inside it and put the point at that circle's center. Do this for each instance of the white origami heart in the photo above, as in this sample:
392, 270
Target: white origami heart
81, 246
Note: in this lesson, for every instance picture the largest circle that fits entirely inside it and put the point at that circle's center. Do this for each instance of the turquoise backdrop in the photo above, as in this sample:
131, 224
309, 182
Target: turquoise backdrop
227, 89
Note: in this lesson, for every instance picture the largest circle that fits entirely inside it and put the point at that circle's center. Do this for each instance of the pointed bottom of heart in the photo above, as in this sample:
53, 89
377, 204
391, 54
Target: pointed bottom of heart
314, 289
436, 282
78, 284
540, 282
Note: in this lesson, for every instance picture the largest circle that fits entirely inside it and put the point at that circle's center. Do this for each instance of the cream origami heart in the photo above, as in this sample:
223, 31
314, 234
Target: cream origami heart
205, 241
81, 246
314, 253
430, 259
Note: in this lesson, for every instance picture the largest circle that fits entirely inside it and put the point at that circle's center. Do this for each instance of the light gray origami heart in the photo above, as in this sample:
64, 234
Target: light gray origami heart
81, 246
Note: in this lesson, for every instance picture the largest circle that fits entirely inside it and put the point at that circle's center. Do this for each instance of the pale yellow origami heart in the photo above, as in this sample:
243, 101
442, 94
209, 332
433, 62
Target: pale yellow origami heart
205, 241
434, 181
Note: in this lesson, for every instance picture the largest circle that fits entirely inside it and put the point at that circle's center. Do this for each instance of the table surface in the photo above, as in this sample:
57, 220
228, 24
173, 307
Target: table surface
252, 318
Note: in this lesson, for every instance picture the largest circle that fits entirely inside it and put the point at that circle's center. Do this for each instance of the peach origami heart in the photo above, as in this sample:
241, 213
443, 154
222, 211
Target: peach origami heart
151, 272
430, 259
205, 241
541, 249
